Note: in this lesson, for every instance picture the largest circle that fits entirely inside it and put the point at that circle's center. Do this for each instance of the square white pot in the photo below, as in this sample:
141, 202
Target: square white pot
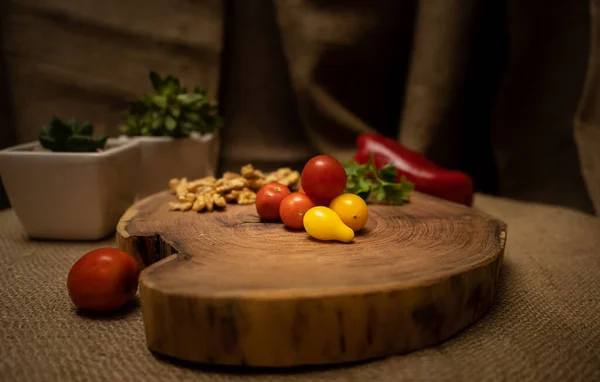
70, 196
164, 158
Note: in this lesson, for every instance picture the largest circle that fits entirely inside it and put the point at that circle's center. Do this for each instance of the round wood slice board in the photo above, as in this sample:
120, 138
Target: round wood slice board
225, 288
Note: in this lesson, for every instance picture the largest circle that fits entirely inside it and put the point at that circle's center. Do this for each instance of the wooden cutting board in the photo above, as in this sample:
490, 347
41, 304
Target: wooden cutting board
225, 288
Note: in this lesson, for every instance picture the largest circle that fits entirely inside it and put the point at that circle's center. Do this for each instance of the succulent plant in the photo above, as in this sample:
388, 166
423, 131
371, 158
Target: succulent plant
70, 136
171, 110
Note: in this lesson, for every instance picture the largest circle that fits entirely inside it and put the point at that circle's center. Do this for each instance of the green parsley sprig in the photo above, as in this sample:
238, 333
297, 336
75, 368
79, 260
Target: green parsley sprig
370, 184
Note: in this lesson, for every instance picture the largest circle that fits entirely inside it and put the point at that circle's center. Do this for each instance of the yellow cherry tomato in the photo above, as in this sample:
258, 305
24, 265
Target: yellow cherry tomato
352, 210
323, 223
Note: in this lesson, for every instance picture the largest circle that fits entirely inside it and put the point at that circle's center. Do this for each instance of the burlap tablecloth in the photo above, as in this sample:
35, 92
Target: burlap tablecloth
545, 324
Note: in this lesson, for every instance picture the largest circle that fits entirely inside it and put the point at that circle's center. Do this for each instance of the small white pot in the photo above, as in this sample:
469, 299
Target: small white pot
164, 158
70, 196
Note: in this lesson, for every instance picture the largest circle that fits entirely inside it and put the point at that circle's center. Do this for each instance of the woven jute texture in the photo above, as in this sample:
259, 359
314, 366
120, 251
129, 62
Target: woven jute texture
544, 325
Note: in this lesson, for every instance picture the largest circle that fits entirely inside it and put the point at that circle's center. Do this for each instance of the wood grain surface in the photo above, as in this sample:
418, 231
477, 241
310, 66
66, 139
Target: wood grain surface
225, 288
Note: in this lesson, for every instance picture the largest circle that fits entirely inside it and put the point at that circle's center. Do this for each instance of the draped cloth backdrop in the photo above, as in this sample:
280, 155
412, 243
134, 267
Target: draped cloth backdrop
504, 90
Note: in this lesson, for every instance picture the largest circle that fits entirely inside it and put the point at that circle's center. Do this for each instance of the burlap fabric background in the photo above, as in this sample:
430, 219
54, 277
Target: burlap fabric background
491, 88
543, 327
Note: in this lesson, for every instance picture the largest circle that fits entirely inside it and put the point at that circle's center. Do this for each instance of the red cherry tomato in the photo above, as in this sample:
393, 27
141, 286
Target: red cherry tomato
103, 280
269, 198
323, 178
318, 202
293, 208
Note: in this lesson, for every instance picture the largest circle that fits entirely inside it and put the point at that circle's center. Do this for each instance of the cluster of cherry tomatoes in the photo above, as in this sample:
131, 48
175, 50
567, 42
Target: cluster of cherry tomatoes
320, 206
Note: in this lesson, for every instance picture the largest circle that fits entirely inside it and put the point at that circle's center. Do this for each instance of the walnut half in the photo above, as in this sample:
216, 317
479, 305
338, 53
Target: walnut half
208, 201
246, 196
174, 206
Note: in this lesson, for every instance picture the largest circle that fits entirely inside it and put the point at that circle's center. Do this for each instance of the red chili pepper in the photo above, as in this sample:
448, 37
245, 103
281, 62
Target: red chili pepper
427, 177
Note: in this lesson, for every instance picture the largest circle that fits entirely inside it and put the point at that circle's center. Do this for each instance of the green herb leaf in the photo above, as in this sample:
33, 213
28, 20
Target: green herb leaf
398, 193
366, 181
364, 188
388, 173
365, 184
351, 169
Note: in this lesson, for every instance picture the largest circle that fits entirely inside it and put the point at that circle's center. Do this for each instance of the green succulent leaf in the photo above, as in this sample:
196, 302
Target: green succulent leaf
48, 142
59, 129
157, 123
157, 82
82, 143
160, 101
184, 99
101, 142
187, 126
171, 110
170, 123
70, 136
193, 117
85, 129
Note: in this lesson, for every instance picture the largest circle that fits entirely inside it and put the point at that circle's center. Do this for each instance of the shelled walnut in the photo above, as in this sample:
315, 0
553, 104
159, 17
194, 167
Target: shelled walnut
246, 196
257, 179
208, 201
208, 193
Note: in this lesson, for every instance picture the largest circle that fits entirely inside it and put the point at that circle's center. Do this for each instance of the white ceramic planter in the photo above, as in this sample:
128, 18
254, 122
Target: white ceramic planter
163, 158
70, 196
